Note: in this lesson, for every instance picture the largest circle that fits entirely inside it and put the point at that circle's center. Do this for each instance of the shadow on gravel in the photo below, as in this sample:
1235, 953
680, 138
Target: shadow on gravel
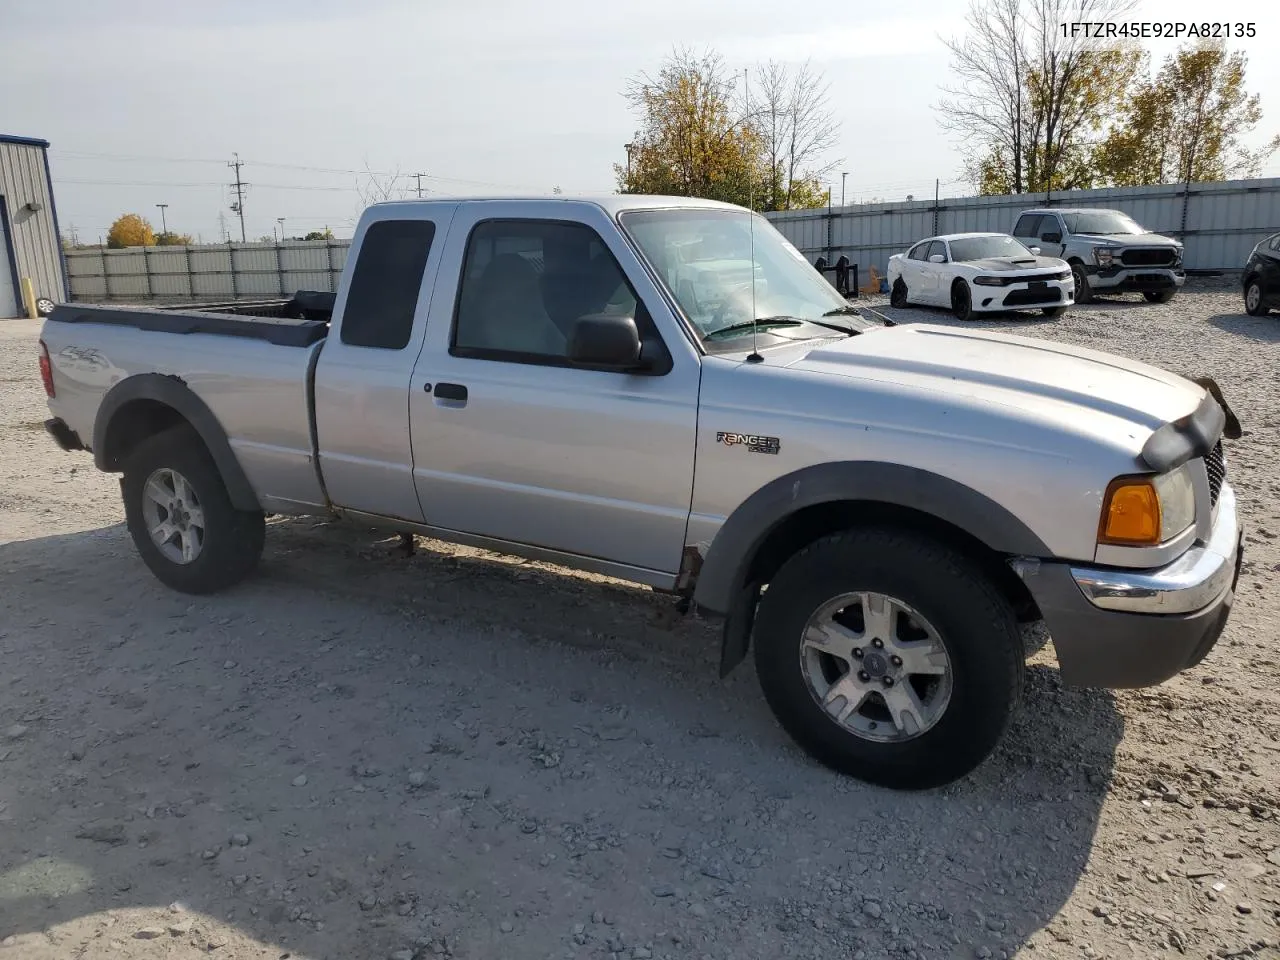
358, 754
1265, 329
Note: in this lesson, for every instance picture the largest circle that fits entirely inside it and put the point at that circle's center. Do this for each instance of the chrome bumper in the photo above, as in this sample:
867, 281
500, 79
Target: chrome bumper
1192, 582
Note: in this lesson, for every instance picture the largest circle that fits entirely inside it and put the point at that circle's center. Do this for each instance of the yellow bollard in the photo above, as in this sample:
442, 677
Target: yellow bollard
29, 298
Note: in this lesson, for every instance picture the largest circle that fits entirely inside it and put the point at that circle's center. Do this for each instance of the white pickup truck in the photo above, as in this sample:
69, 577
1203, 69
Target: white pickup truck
874, 508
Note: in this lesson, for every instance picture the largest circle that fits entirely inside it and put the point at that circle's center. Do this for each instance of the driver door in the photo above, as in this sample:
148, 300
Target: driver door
1052, 240
935, 284
511, 442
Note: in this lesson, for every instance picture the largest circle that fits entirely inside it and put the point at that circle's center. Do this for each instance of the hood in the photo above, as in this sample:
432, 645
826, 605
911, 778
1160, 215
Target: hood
1132, 239
1041, 379
1010, 264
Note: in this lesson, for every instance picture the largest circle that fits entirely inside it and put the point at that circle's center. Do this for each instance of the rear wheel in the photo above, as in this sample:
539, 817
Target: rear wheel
1253, 298
1080, 277
898, 294
181, 517
1159, 296
889, 657
961, 301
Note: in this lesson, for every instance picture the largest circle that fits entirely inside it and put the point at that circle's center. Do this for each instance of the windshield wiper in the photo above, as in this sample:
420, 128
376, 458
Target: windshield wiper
852, 311
782, 321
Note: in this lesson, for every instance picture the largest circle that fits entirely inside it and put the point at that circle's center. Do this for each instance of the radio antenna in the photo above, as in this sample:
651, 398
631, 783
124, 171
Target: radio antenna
754, 356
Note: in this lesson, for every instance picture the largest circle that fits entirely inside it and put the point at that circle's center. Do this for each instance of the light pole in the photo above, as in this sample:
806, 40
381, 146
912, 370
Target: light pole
843, 178
630, 147
280, 220
164, 227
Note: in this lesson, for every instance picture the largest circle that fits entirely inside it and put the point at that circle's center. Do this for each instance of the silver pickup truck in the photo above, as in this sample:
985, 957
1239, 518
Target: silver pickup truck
872, 508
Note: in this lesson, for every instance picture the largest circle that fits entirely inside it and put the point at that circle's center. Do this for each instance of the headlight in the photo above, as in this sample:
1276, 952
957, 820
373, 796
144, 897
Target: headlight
988, 281
1177, 256
1103, 257
1147, 510
1062, 275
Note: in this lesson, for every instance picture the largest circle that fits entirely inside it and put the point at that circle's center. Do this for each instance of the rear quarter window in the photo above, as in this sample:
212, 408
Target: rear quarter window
385, 284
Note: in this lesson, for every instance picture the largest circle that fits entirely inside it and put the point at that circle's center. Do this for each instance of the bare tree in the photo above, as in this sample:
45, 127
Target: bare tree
795, 125
374, 187
1031, 97
985, 107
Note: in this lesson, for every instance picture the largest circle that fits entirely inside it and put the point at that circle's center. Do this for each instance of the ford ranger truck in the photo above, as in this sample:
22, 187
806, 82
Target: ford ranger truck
1107, 250
872, 510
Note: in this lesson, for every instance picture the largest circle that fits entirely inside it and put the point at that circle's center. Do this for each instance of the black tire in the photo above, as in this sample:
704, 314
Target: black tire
1160, 296
975, 623
1080, 277
961, 300
1253, 294
898, 294
231, 540
1053, 311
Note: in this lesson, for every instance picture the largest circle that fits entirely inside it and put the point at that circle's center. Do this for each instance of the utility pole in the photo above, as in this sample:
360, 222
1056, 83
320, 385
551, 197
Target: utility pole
164, 227
843, 178
418, 177
238, 186
222, 227
280, 220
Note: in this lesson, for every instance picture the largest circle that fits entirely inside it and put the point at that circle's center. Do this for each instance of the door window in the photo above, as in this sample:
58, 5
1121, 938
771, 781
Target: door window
938, 248
525, 284
1028, 225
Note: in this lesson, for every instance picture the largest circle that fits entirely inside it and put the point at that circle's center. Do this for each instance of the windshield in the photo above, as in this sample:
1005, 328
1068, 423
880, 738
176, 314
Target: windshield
982, 248
729, 267
1103, 223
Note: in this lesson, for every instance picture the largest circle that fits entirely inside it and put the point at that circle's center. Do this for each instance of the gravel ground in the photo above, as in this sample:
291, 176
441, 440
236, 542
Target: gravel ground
362, 755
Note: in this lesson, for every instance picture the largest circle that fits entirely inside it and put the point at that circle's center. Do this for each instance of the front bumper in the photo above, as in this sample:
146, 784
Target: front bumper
1118, 279
1136, 628
1024, 296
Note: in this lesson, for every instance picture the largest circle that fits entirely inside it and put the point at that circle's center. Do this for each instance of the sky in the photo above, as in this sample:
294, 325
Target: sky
146, 101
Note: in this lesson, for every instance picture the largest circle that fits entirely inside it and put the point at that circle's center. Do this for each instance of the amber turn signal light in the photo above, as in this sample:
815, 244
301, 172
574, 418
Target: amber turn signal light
1130, 513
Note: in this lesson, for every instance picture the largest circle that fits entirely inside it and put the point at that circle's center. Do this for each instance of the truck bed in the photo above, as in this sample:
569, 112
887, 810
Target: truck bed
281, 331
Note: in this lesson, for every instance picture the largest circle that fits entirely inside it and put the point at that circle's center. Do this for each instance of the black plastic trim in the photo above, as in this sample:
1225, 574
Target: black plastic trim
281, 332
173, 392
1186, 438
727, 563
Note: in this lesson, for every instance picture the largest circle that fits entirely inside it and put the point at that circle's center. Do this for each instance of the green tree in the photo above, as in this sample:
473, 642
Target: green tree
1186, 123
704, 134
130, 230
325, 234
171, 239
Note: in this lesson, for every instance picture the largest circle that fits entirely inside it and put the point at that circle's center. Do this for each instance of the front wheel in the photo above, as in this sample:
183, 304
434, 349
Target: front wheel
181, 518
961, 301
889, 657
1159, 296
1253, 304
898, 294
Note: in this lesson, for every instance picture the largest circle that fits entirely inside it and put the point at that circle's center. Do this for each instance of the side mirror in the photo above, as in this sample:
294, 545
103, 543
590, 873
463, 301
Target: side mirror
1036, 251
937, 258
1051, 237
606, 341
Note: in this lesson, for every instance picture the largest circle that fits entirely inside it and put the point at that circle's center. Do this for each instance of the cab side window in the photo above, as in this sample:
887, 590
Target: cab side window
919, 252
526, 283
385, 284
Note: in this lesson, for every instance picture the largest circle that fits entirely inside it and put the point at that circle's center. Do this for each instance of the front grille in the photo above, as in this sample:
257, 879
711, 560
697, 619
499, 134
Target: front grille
1022, 298
1148, 257
1029, 278
1216, 466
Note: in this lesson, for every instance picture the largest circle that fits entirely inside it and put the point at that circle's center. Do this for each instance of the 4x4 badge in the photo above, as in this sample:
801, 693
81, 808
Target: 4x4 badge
753, 443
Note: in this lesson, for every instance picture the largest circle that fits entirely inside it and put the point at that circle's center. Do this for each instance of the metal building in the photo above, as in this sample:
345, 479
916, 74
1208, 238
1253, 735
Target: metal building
30, 249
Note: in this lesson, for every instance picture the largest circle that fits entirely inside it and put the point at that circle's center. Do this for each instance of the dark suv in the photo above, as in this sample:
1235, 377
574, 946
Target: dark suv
1261, 277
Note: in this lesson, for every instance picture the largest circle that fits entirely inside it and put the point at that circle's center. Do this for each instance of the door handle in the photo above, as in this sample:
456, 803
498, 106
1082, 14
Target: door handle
451, 391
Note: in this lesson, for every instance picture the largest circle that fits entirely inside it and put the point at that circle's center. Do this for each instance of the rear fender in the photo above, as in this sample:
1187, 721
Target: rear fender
172, 392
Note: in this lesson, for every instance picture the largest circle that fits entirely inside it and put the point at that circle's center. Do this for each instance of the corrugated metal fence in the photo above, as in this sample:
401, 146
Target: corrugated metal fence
219, 272
1218, 222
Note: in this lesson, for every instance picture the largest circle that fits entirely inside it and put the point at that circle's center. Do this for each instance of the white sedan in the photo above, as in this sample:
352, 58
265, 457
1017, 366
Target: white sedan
979, 273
